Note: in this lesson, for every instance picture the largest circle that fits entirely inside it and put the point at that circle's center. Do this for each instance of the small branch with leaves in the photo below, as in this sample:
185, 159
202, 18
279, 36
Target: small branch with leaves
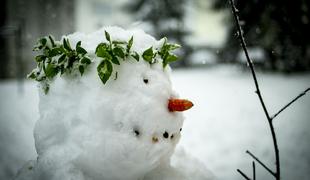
269, 118
59, 57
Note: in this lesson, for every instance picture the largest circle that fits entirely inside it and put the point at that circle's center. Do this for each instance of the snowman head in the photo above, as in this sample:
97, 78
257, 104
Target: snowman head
131, 122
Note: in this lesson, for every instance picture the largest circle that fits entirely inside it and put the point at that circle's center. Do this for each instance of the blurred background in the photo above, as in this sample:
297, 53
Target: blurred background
227, 118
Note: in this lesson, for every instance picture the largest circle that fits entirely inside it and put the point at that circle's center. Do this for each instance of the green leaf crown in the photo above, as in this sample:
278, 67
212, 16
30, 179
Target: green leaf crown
59, 57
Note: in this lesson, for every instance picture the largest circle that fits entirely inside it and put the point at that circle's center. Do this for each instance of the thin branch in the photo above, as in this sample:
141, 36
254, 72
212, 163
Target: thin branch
273, 134
243, 175
291, 102
254, 173
249, 61
261, 163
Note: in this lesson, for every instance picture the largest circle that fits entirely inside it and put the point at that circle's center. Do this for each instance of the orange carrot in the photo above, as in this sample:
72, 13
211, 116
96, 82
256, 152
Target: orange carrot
179, 105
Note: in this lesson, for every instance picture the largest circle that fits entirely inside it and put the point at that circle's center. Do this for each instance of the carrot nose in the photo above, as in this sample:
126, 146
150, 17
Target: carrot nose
179, 105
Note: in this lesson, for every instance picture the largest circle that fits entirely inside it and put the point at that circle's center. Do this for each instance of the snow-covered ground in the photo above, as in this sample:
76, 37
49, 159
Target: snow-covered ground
226, 121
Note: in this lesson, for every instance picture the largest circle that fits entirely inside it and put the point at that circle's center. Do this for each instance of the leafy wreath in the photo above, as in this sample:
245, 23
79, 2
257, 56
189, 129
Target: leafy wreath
59, 57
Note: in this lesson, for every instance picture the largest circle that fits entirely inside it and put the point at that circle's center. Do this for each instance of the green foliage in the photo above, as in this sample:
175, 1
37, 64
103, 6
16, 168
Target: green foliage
136, 56
165, 53
148, 55
105, 69
107, 36
112, 52
129, 45
57, 57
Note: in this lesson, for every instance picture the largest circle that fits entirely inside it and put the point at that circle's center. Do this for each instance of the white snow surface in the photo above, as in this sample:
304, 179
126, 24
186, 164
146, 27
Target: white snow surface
87, 130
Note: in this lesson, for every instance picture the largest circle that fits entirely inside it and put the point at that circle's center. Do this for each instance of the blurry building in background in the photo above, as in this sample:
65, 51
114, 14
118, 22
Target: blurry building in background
22, 23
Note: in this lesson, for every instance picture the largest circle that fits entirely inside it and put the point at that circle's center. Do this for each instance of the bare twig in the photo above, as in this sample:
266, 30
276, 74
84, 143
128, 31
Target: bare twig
249, 61
291, 102
243, 175
254, 173
261, 163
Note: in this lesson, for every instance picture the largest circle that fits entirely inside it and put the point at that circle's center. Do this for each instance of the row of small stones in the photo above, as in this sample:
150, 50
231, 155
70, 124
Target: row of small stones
154, 138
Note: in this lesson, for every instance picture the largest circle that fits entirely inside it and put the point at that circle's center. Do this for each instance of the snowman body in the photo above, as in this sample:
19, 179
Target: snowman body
119, 130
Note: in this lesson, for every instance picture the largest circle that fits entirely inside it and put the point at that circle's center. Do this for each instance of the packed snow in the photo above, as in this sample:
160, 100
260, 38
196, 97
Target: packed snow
226, 120
119, 130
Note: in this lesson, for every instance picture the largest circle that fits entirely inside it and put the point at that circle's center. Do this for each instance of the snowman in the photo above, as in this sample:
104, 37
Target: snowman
108, 110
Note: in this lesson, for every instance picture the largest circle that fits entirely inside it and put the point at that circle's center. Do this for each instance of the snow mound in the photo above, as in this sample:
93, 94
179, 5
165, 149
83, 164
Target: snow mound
118, 130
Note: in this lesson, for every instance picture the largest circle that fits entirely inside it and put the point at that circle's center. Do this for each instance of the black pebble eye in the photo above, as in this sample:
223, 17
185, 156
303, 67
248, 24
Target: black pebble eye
137, 132
180, 129
166, 135
145, 80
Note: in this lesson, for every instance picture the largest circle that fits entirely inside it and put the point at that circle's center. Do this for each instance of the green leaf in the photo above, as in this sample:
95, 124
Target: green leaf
129, 45
66, 44
81, 69
115, 60
71, 59
81, 50
85, 60
118, 51
103, 53
135, 55
32, 75
62, 69
36, 48
40, 44
40, 58
43, 41
118, 42
148, 54
165, 64
46, 51
165, 53
172, 58
51, 71
51, 38
169, 58
104, 70
107, 36
62, 49
78, 44
171, 47
54, 52
101, 46
61, 59
168, 47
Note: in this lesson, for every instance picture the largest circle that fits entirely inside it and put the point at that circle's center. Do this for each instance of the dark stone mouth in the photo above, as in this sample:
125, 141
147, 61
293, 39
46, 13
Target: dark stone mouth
155, 138
166, 134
